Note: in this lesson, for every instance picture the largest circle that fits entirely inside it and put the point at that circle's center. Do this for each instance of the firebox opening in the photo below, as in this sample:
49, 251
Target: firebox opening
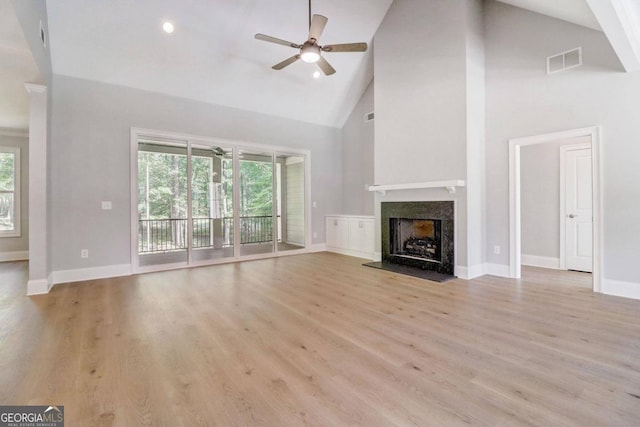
418, 239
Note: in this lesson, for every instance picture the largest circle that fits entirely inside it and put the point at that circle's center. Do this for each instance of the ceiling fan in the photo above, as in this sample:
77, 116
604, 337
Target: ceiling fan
310, 50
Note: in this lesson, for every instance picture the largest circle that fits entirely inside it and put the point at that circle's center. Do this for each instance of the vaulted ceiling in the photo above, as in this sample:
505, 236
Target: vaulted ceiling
574, 11
16, 67
213, 57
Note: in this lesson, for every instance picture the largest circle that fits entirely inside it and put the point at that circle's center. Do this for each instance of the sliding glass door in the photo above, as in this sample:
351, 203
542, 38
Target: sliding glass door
256, 203
199, 202
211, 203
162, 203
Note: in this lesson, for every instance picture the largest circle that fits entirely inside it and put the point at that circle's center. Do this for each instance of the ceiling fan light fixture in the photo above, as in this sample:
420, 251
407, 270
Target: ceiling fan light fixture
310, 53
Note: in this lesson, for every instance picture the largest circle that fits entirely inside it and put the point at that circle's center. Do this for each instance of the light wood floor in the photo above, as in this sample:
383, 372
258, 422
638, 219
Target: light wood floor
320, 340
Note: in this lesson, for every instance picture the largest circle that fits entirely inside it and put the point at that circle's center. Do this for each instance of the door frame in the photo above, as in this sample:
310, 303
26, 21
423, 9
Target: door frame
515, 242
564, 149
140, 133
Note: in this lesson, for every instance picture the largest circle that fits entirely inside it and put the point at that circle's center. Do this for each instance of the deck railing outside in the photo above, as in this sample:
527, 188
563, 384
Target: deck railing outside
163, 235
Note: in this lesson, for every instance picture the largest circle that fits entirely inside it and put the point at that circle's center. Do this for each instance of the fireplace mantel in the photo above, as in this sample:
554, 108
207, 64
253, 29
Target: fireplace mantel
450, 186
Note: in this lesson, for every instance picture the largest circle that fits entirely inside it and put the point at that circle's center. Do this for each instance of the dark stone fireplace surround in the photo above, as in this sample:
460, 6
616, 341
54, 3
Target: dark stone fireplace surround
442, 211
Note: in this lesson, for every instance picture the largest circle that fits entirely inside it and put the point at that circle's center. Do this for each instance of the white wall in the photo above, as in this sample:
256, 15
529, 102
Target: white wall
90, 160
357, 158
19, 244
523, 100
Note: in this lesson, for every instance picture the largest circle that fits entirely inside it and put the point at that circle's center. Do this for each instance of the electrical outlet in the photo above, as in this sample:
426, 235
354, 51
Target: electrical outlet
84, 253
315, 235
496, 250
106, 205
314, 204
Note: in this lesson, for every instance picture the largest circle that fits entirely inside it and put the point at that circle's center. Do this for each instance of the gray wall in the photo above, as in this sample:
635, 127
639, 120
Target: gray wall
523, 100
357, 158
90, 147
16, 244
420, 92
540, 199
429, 98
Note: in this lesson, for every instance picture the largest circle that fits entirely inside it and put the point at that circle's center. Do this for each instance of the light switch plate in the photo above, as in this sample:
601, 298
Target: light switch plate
106, 205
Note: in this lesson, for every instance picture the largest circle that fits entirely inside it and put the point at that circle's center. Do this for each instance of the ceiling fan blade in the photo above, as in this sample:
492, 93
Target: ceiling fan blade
288, 61
318, 23
345, 47
275, 40
326, 68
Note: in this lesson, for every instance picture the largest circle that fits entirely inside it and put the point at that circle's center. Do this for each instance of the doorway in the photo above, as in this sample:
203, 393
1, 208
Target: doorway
592, 135
198, 201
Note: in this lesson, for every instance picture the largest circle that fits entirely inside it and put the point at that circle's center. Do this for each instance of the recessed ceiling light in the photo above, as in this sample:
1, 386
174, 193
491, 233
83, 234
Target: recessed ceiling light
167, 27
316, 74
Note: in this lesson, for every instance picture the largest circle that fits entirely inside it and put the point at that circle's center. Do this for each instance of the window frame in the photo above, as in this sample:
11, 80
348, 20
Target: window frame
16, 232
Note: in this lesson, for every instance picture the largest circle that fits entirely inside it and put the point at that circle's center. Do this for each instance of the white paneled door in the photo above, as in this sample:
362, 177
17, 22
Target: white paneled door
578, 210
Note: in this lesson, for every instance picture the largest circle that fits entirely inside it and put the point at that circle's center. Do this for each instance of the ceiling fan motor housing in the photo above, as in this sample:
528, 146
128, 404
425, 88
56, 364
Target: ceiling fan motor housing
310, 51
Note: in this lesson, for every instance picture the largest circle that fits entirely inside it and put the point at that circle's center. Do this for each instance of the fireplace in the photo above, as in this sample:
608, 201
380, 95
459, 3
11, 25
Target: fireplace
418, 235
415, 239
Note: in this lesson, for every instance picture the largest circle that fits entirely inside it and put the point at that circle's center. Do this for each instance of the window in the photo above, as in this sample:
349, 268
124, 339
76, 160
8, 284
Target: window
9, 192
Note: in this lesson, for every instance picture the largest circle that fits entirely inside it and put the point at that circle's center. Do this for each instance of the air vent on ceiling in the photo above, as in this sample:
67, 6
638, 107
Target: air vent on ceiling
564, 61
369, 117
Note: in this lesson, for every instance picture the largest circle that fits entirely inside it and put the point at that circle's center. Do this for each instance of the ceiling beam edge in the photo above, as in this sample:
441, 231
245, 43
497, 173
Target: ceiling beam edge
618, 21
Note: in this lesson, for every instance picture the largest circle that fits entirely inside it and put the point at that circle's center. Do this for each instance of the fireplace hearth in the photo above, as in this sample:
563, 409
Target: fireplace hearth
418, 239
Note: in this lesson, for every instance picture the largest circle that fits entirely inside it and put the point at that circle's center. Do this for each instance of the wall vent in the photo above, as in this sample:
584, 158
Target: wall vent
369, 117
564, 61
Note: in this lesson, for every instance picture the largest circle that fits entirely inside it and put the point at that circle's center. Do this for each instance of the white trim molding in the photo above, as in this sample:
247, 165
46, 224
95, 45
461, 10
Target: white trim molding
318, 247
92, 273
19, 133
515, 248
349, 252
499, 270
450, 186
38, 287
38, 188
468, 273
14, 256
541, 261
620, 288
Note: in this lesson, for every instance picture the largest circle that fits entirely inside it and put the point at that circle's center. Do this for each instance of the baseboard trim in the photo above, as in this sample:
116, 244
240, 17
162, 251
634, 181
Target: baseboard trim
541, 261
377, 256
93, 273
14, 256
365, 255
468, 273
499, 270
318, 247
620, 288
38, 287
